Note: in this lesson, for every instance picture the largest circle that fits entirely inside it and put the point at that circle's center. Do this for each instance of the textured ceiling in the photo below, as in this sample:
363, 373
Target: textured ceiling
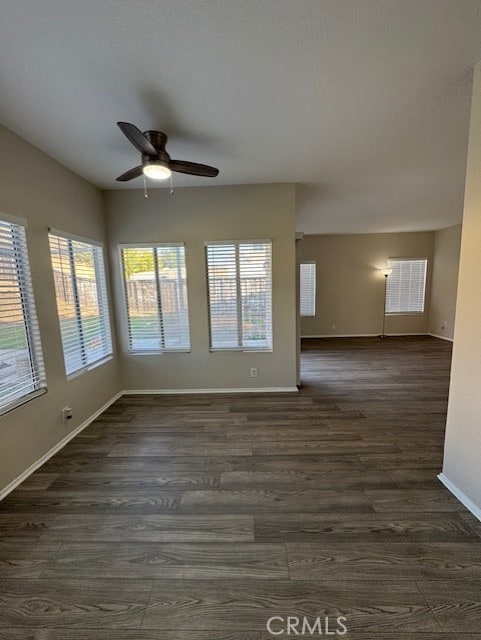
364, 104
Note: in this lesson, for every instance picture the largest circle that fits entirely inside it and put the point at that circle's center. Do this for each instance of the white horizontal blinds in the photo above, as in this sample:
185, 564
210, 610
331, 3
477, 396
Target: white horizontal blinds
173, 296
156, 296
256, 293
307, 292
92, 301
406, 285
141, 295
67, 303
21, 362
224, 302
240, 295
82, 305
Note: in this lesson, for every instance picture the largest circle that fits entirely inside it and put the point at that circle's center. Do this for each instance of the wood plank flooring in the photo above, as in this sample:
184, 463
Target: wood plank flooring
180, 517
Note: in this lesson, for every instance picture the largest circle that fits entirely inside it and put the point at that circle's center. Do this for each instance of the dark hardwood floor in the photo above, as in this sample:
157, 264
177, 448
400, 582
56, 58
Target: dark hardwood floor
179, 517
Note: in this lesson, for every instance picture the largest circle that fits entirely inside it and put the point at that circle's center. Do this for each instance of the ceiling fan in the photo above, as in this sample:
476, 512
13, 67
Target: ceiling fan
156, 162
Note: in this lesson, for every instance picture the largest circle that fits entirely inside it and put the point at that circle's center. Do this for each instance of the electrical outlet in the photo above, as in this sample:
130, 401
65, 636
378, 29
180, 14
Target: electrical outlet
67, 413
444, 326
254, 372
333, 327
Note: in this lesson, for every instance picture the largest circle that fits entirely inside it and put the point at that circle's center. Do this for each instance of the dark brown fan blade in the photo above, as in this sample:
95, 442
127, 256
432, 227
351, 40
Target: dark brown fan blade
193, 168
137, 138
130, 174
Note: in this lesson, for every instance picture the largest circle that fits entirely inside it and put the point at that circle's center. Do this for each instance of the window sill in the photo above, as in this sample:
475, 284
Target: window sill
158, 353
90, 367
406, 313
21, 401
241, 350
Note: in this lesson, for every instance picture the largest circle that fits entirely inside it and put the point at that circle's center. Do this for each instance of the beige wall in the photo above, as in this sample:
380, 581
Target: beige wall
46, 194
194, 215
447, 246
350, 286
462, 460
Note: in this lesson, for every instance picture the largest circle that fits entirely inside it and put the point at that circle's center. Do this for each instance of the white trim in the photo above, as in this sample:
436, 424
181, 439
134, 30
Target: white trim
60, 445
462, 497
366, 335
435, 335
129, 392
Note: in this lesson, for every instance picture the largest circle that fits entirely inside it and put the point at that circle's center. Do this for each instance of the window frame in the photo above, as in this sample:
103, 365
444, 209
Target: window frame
241, 348
105, 320
407, 259
18, 230
314, 290
152, 245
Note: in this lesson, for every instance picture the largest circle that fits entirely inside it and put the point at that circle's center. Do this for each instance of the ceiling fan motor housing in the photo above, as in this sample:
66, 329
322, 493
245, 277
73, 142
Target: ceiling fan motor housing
157, 139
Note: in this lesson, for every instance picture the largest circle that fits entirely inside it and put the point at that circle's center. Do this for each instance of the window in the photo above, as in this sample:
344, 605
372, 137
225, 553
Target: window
156, 297
22, 375
82, 306
240, 292
307, 284
406, 285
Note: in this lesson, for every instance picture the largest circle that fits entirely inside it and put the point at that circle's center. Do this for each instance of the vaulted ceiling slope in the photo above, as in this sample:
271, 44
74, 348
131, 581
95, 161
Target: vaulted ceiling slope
364, 104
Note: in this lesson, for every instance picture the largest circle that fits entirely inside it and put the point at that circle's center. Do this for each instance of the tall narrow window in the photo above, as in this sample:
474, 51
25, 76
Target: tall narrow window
82, 306
406, 285
240, 294
22, 374
307, 293
156, 297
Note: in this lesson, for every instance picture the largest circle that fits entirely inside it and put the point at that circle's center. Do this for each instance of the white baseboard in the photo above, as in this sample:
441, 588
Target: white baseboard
130, 392
365, 335
435, 335
463, 499
60, 445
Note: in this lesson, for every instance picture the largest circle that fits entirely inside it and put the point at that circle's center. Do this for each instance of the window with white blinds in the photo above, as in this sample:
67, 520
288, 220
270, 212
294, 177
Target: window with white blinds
22, 374
240, 294
406, 285
156, 298
307, 289
82, 305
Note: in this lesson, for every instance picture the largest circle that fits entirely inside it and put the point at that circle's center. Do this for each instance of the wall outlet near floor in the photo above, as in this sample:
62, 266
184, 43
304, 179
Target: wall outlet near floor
254, 372
333, 327
67, 413
444, 326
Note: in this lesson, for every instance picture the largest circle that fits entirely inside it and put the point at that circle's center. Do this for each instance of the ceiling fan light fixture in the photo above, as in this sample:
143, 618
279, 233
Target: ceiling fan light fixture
156, 162
157, 170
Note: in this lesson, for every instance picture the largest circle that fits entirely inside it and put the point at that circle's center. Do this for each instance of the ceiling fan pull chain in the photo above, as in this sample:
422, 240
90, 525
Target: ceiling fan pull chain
146, 195
171, 184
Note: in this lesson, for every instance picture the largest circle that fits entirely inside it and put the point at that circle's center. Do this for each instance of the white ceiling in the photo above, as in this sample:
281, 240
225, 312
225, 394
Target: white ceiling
363, 103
